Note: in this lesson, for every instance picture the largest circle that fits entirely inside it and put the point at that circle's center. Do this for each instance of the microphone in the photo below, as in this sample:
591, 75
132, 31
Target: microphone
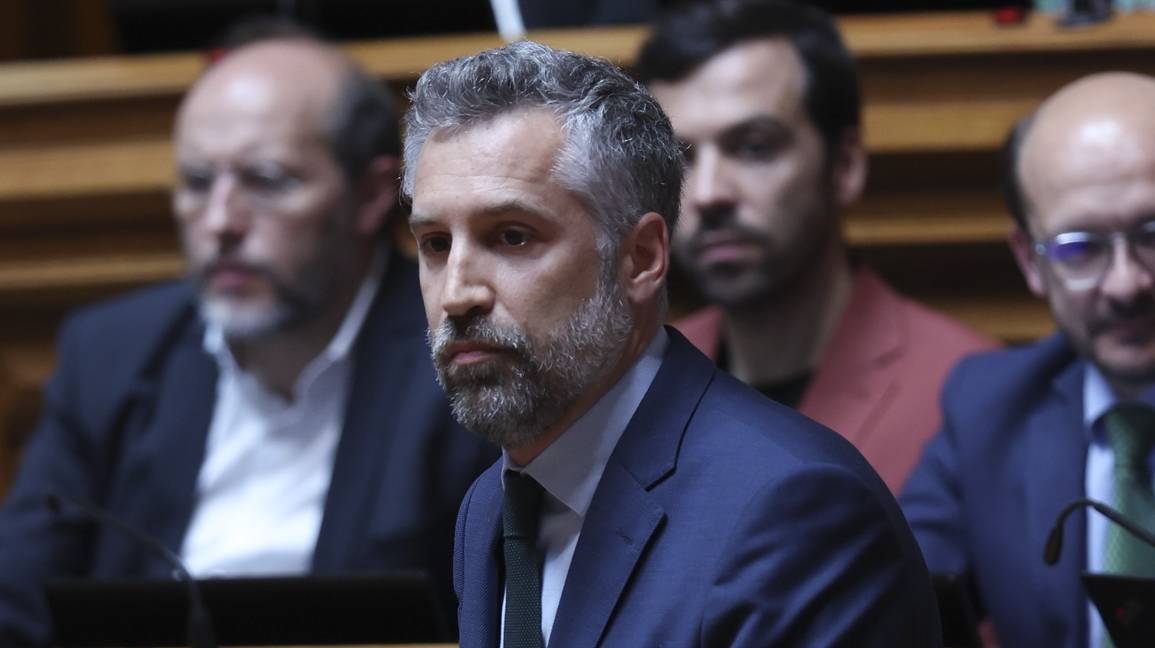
1055, 537
200, 626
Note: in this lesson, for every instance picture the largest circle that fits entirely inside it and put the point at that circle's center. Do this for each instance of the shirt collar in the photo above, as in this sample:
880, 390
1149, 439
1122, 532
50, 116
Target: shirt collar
1098, 397
339, 346
571, 467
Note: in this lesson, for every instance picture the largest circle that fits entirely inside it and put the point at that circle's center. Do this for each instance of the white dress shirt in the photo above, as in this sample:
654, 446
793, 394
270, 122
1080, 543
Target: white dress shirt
268, 462
569, 471
1098, 397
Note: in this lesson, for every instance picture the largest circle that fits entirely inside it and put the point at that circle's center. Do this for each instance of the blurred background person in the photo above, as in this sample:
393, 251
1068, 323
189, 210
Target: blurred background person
765, 99
274, 414
1029, 430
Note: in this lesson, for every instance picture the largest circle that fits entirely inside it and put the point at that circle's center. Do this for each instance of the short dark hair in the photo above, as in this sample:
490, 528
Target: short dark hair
694, 32
364, 124
1009, 172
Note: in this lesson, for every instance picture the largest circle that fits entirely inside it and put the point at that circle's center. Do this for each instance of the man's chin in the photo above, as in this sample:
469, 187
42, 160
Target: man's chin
738, 292
238, 320
1129, 366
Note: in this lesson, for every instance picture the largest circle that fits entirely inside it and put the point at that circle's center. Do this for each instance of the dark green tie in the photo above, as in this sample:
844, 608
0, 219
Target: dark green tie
1130, 428
520, 514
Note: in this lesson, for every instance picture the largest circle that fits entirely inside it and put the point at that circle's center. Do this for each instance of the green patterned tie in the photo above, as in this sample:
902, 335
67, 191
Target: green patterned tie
521, 512
1130, 428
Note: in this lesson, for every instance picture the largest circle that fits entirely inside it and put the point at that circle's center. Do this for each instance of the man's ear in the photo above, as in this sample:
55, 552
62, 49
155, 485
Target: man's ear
1023, 247
646, 258
377, 194
848, 168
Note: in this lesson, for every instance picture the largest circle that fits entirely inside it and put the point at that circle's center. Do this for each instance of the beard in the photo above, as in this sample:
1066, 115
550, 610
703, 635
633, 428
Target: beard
515, 398
296, 297
752, 286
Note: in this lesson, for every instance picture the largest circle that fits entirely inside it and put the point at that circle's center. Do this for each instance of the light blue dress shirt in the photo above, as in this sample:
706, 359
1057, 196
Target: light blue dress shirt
1098, 397
571, 467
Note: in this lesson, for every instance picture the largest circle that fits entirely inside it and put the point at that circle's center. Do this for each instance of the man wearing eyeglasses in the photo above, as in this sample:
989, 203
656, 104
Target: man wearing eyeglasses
1027, 431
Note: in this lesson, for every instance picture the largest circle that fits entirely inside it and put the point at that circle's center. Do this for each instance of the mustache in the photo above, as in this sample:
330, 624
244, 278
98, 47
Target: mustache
225, 262
1143, 306
708, 234
478, 329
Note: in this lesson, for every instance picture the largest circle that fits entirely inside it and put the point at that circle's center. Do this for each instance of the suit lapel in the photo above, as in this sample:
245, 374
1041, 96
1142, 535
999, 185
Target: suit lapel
619, 525
384, 364
623, 518
483, 582
851, 385
175, 450
1057, 450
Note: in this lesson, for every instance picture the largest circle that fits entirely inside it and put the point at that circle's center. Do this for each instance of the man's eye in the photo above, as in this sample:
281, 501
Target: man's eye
197, 180
266, 178
1077, 249
755, 149
514, 237
1144, 235
435, 244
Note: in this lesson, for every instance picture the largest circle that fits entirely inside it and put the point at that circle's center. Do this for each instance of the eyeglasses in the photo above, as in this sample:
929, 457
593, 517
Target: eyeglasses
1081, 259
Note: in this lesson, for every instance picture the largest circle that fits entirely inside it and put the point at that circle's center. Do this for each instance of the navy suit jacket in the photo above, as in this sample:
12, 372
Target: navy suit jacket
126, 417
722, 519
1011, 453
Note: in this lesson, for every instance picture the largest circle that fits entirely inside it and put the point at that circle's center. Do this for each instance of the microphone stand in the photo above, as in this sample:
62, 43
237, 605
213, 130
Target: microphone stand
200, 626
1055, 538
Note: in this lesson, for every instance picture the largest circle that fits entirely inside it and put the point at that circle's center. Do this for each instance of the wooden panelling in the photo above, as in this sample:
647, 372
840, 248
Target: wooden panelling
85, 167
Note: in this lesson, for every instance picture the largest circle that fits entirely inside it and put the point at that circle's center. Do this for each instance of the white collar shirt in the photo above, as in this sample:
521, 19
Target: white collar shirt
268, 461
570, 469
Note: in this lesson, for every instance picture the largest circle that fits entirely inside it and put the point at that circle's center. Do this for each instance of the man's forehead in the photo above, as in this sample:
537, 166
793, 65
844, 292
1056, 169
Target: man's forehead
762, 76
287, 79
516, 143
1099, 149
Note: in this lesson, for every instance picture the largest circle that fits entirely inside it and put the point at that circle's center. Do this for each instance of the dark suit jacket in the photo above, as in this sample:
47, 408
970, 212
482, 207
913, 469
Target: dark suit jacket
126, 418
722, 519
1011, 453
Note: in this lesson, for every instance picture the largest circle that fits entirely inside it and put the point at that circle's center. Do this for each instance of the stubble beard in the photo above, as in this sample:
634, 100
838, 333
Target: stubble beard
743, 288
516, 398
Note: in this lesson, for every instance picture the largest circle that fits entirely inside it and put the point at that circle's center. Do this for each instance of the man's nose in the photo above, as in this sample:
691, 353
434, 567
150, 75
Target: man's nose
1126, 276
709, 184
467, 287
225, 212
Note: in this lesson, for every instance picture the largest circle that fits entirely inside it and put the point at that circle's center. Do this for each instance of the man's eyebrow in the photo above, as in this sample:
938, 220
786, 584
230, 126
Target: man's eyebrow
511, 206
773, 125
503, 208
420, 220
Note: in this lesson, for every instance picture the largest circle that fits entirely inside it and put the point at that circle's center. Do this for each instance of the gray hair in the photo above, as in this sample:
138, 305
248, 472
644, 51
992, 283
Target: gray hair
620, 156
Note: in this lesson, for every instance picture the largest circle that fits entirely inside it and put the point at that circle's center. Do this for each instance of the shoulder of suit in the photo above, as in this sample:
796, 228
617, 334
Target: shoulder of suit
1015, 376
140, 306
133, 324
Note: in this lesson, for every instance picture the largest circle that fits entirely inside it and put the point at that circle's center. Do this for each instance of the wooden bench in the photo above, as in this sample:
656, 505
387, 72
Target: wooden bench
85, 167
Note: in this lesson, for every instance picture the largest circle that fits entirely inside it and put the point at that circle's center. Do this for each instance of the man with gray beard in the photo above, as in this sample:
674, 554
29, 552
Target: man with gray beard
644, 497
274, 415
